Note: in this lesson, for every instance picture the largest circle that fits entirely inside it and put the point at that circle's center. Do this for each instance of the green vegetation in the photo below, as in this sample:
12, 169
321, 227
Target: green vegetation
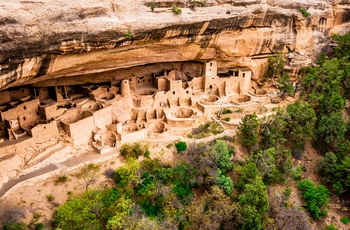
248, 131
275, 70
327, 88
331, 227
285, 85
205, 130
153, 195
128, 35
50, 197
286, 193
254, 204
200, 3
275, 67
176, 10
180, 146
226, 119
89, 173
153, 6
134, 150
316, 198
345, 220
296, 173
14, 225
304, 12
33, 224
61, 179
227, 111
343, 49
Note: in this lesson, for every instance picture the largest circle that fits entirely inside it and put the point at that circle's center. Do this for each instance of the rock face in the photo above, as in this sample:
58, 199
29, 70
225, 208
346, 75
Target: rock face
44, 41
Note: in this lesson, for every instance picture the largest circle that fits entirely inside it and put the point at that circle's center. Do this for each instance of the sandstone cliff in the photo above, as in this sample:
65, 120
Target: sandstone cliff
43, 40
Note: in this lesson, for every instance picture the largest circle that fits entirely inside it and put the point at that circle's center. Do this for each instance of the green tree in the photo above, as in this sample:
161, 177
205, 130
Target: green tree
122, 210
79, 213
248, 174
125, 177
210, 211
219, 151
343, 49
273, 129
327, 167
266, 165
331, 130
225, 182
276, 64
285, 85
248, 131
89, 173
321, 59
300, 125
254, 204
316, 198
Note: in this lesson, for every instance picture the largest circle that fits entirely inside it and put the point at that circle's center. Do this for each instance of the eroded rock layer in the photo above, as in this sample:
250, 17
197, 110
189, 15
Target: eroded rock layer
45, 40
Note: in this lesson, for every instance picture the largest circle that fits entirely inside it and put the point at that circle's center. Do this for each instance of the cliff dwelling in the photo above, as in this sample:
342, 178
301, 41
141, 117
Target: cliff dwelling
130, 109
106, 114
87, 85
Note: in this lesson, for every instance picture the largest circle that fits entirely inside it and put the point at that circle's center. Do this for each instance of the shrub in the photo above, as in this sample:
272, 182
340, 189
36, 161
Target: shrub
227, 111
304, 12
200, 3
239, 110
14, 225
226, 119
61, 179
50, 197
33, 222
225, 183
286, 193
205, 130
153, 6
180, 146
128, 35
296, 173
39, 226
345, 220
176, 10
331, 227
316, 198
134, 150
231, 152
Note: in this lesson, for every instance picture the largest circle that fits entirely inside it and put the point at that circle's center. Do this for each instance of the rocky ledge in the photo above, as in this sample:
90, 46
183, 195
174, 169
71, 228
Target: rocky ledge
43, 40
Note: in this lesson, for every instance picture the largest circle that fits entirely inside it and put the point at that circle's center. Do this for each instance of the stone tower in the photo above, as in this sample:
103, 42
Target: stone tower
125, 88
210, 76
